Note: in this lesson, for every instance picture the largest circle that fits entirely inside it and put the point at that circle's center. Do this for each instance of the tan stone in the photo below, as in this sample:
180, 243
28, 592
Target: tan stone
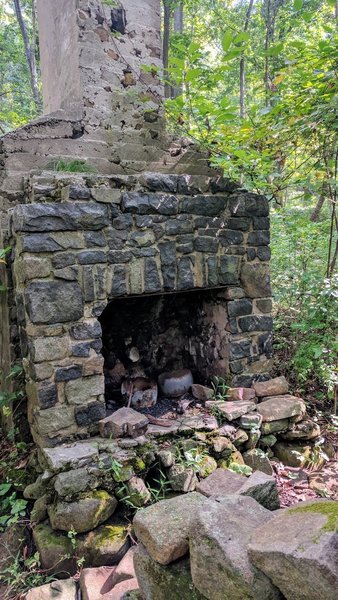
275, 408
273, 387
201, 392
221, 483
125, 421
125, 569
245, 394
232, 410
306, 430
58, 590
120, 590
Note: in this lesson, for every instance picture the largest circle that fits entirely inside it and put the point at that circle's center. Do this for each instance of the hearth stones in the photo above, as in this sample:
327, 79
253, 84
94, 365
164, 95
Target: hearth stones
175, 383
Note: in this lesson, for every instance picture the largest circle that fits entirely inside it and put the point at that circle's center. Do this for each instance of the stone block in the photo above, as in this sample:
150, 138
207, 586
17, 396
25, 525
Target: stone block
232, 410
125, 421
55, 550
255, 323
54, 302
304, 430
263, 489
91, 413
258, 461
220, 565
66, 216
83, 390
125, 569
210, 206
185, 274
228, 270
276, 408
152, 281
273, 387
201, 392
251, 421
83, 515
221, 483
144, 204
255, 280
74, 482
69, 456
182, 479
53, 420
106, 545
164, 527
158, 582
246, 394
298, 551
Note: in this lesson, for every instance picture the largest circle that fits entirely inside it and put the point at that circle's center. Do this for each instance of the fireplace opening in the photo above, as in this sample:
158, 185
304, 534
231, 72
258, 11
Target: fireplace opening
145, 338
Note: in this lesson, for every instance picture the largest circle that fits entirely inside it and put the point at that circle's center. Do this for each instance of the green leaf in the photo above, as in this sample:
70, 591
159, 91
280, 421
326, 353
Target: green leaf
242, 37
226, 41
298, 4
4, 488
276, 49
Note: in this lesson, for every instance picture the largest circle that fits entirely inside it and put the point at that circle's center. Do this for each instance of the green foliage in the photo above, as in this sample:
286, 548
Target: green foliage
12, 508
240, 469
306, 301
17, 105
22, 575
74, 166
220, 388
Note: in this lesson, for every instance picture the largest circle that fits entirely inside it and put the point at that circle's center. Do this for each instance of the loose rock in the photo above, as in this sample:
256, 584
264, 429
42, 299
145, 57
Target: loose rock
272, 387
258, 461
280, 407
84, 514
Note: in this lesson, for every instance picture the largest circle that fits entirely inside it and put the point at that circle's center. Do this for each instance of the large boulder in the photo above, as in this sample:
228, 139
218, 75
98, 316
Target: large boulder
164, 527
159, 582
298, 550
84, 514
220, 565
272, 387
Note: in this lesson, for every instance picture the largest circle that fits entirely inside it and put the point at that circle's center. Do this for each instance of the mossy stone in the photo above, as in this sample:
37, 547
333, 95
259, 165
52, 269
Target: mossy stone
106, 545
55, 550
84, 514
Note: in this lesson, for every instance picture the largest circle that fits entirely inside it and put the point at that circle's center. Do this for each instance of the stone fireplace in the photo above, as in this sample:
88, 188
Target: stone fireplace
136, 275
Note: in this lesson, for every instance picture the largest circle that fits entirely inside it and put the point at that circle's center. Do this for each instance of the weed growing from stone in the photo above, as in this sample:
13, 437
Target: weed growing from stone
74, 166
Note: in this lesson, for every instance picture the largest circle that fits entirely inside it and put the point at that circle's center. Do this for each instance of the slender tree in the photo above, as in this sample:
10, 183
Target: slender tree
29, 50
242, 90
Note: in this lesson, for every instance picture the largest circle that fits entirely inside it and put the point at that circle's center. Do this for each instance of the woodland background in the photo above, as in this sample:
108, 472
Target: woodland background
255, 83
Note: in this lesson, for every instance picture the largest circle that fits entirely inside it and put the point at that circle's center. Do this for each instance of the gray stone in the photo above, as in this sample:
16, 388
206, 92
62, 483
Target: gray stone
298, 550
65, 216
204, 205
39, 510
305, 430
144, 204
152, 281
182, 479
47, 396
92, 257
220, 565
206, 244
106, 545
164, 527
73, 482
39, 242
138, 493
259, 238
159, 582
54, 302
68, 373
275, 426
119, 286
228, 271
81, 391
167, 457
251, 421
229, 238
91, 413
268, 440
237, 308
240, 349
255, 323
263, 489
185, 276
55, 550
221, 483
68, 456
258, 461
232, 410
124, 421
275, 408
201, 392
85, 330
84, 514
255, 280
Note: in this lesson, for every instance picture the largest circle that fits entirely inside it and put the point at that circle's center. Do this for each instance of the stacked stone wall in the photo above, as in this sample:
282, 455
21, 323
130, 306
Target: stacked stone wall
83, 241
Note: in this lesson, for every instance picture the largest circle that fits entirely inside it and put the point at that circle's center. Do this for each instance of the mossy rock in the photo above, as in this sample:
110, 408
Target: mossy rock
158, 582
55, 550
84, 514
106, 545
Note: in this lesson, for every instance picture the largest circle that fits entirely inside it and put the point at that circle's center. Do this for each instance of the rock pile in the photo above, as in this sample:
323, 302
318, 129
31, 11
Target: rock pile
238, 549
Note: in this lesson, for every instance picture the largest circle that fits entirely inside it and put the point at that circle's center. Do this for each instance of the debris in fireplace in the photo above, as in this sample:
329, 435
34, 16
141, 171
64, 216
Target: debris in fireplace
140, 392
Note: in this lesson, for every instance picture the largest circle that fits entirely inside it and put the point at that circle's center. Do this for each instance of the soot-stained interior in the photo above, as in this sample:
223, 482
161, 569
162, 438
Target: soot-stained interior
149, 335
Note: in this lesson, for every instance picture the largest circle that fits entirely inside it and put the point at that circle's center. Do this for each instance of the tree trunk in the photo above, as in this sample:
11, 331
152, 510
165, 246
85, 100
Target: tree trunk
316, 211
242, 90
166, 38
178, 28
30, 54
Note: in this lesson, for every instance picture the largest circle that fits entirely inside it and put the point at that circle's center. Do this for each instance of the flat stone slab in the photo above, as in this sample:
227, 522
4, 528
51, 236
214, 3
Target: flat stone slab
241, 394
221, 483
125, 569
124, 421
56, 590
69, 455
164, 527
272, 387
220, 566
232, 410
298, 550
276, 408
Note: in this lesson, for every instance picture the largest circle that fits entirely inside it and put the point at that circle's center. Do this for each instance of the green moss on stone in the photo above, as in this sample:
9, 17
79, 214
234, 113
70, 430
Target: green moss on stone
109, 535
327, 509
